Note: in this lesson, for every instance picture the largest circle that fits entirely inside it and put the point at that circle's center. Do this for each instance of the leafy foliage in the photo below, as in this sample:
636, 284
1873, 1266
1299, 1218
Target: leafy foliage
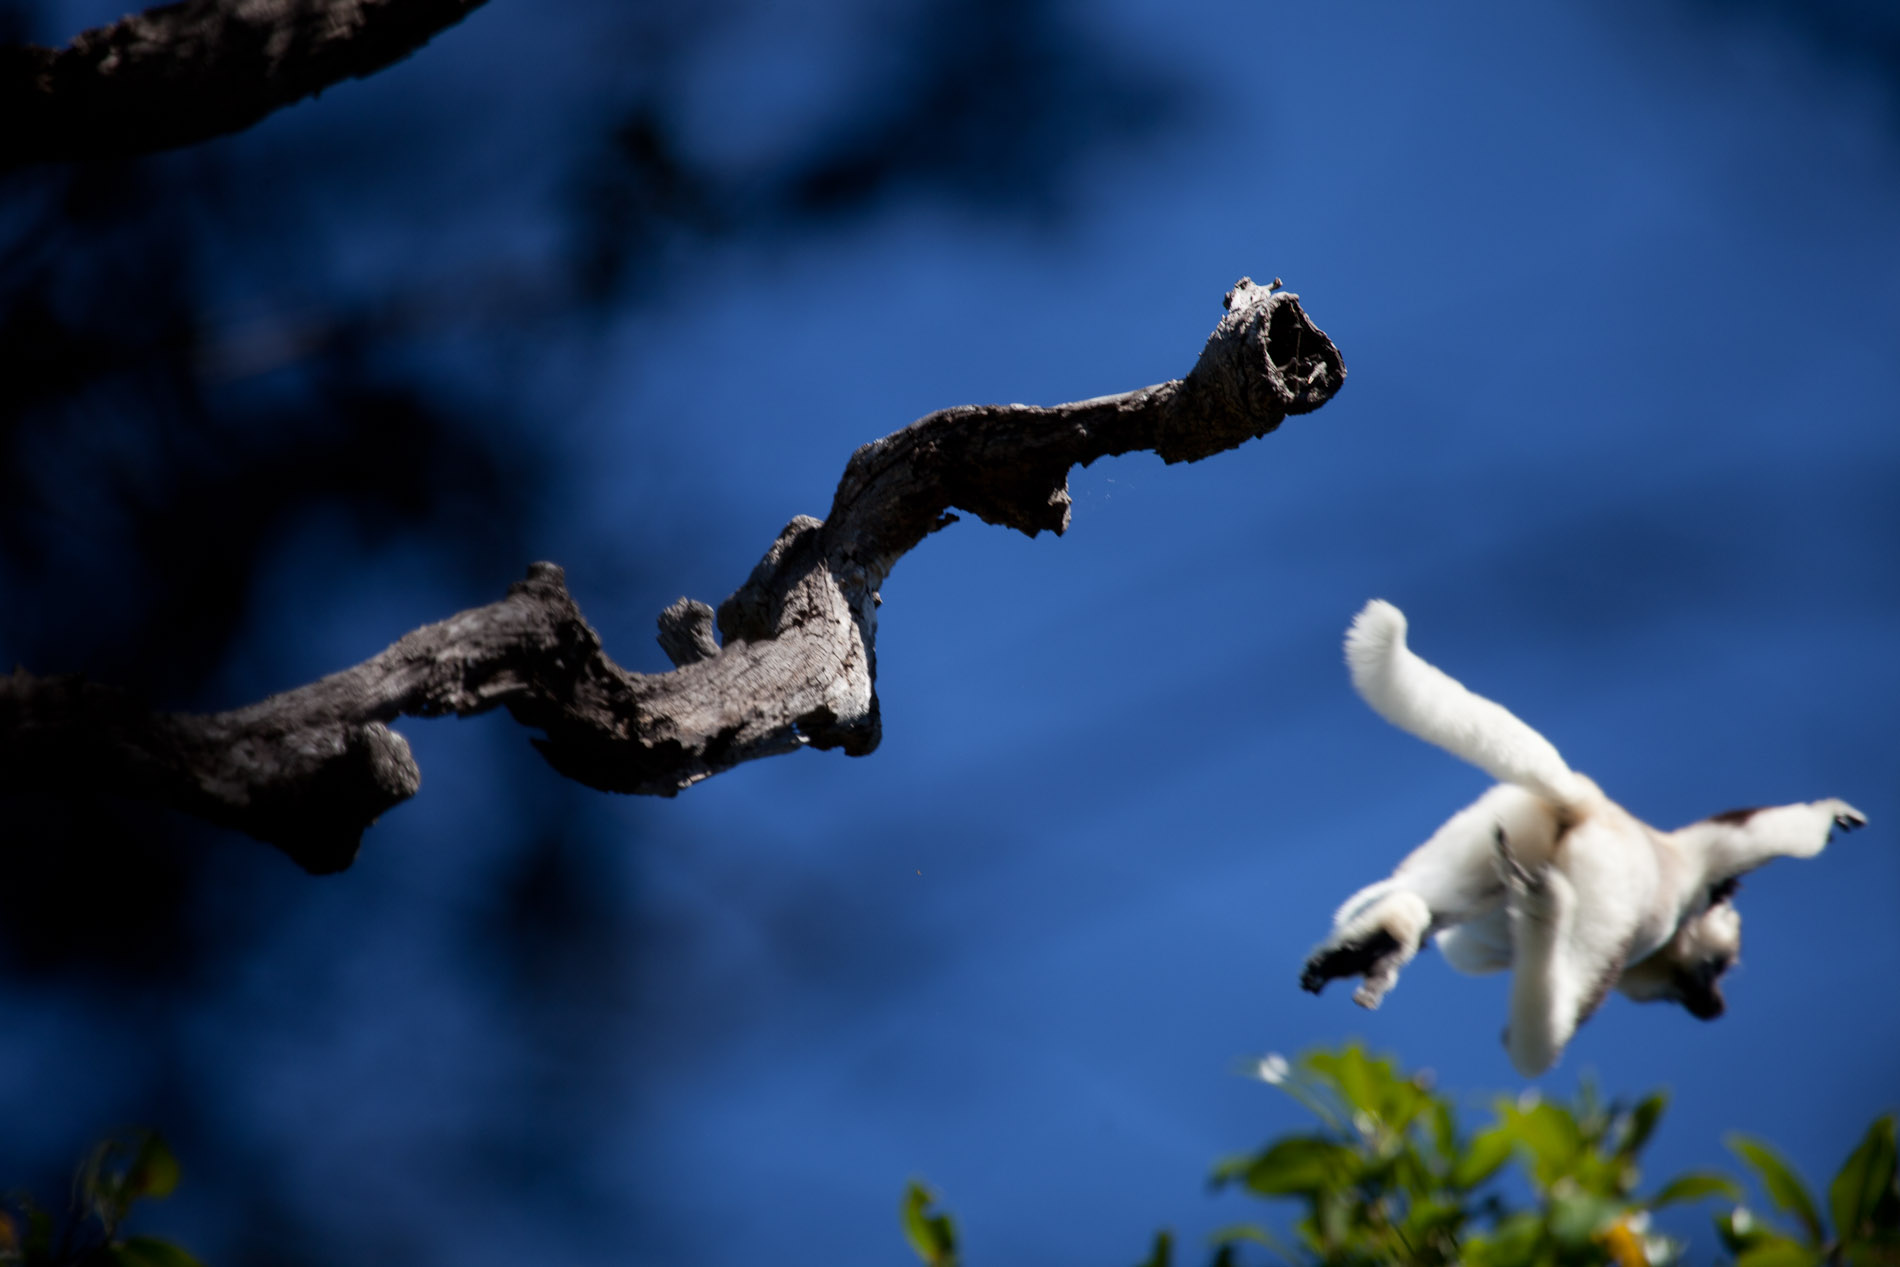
115, 1175
1863, 1200
1390, 1176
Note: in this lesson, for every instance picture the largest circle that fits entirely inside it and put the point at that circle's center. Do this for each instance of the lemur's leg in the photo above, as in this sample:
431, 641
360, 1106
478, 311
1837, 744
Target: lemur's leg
1375, 943
1573, 922
1450, 878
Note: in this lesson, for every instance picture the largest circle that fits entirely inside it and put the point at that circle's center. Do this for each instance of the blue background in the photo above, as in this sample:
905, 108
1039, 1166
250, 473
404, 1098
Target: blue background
1618, 288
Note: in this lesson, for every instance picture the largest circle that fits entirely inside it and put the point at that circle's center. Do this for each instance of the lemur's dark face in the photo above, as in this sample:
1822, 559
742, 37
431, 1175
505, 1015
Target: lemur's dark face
1689, 969
1707, 947
1699, 987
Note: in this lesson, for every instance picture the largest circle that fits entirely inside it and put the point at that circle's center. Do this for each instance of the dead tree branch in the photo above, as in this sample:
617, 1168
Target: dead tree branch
309, 769
186, 72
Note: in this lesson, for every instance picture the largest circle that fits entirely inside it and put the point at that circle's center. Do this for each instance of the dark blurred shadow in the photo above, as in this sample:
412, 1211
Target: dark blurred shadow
155, 457
994, 105
139, 492
1858, 37
986, 105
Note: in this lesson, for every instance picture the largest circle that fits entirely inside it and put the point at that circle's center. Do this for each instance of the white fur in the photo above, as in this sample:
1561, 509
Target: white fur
1545, 874
1427, 702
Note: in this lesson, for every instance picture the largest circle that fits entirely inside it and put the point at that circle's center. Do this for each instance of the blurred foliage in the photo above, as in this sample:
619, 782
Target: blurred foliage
115, 1175
1391, 1177
931, 1234
1863, 1202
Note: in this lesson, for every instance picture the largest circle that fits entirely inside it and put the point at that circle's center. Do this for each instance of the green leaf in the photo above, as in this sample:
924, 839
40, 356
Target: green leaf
1780, 1183
1300, 1165
1693, 1187
1444, 1129
932, 1236
1429, 1219
147, 1251
1887, 1214
154, 1171
1577, 1220
39, 1233
1234, 1233
1513, 1240
1552, 1135
1739, 1229
1361, 1081
1163, 1252
1642, 1123
98, 1186
1323, 1065
1488, 1151
1411, 1175
1333, 1219
1780, 1252
1868, 1175
1229, 1169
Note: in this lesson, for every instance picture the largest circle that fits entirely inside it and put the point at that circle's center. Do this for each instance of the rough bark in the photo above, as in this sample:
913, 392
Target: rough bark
185, 72
309, 769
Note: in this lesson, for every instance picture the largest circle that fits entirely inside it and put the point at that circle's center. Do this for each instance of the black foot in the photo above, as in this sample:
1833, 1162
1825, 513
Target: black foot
1352, 959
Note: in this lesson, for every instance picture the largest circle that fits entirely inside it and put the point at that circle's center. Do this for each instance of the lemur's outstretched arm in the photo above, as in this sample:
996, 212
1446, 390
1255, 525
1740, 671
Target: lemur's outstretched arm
1742, 839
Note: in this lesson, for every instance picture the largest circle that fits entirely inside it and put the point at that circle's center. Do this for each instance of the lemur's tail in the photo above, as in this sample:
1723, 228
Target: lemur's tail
1427, 702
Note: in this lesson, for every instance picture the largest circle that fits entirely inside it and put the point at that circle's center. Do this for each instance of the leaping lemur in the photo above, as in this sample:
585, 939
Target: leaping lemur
1545, 874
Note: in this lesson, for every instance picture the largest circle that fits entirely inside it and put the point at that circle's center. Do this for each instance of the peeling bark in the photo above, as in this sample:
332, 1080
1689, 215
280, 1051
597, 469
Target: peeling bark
183, 73
310, 769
